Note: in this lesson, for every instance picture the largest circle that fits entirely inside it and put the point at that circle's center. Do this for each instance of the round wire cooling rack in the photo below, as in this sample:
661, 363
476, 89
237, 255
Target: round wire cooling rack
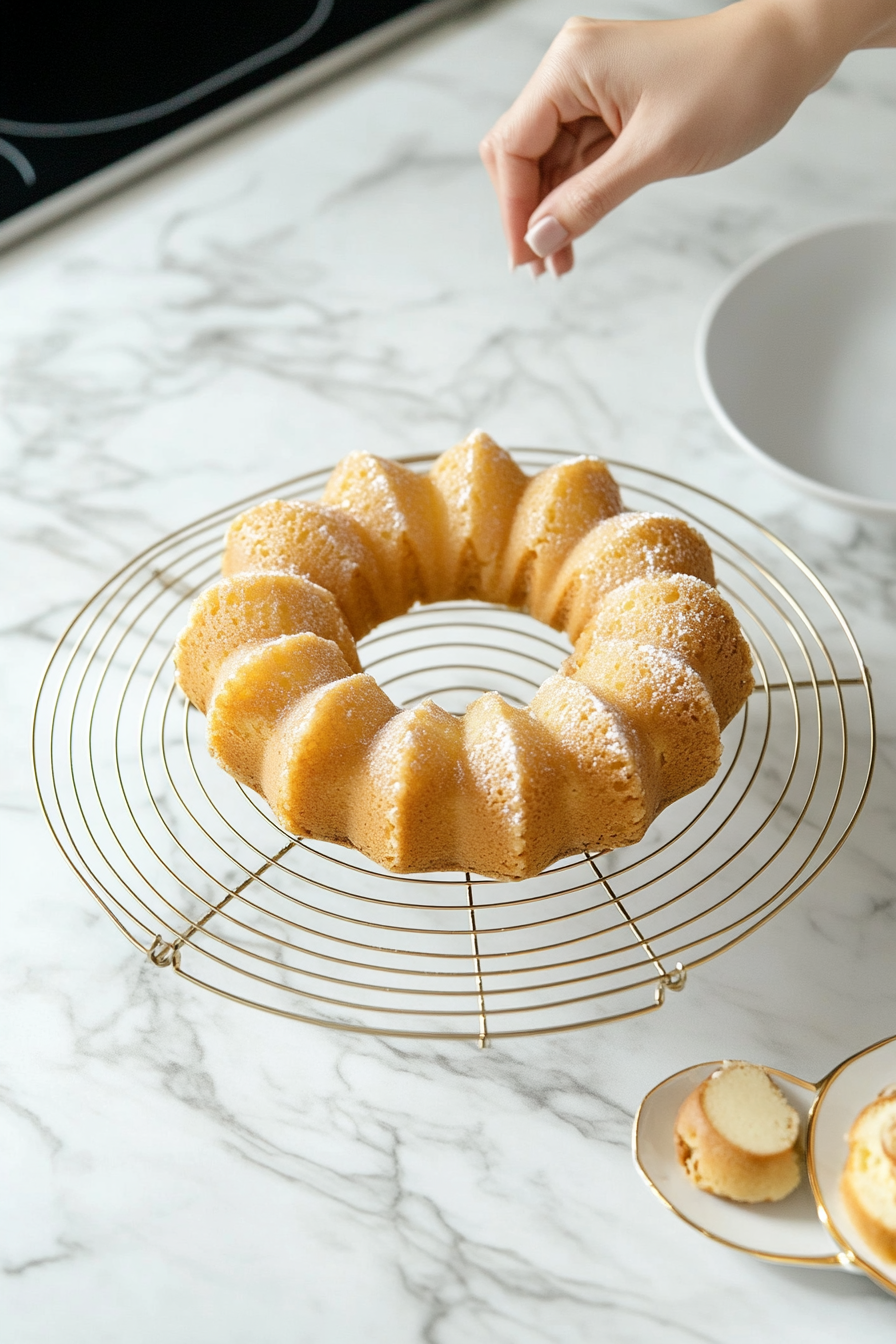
197, 874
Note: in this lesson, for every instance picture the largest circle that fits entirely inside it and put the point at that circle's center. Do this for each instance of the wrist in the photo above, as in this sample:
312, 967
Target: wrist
824, 32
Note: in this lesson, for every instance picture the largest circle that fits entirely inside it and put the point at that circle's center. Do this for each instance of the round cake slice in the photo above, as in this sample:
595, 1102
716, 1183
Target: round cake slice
736, 1135
868, 1183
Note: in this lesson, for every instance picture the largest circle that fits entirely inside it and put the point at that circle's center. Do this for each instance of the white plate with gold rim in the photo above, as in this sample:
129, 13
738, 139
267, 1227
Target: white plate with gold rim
788, 1232
845, 1091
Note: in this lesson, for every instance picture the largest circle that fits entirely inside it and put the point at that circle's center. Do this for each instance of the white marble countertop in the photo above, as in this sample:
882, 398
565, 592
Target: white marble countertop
334, 277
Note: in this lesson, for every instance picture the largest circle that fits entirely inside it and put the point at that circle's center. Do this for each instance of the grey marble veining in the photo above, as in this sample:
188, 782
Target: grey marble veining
334, 277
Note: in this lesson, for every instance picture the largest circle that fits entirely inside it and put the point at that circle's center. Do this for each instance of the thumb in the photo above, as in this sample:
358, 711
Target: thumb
580, 202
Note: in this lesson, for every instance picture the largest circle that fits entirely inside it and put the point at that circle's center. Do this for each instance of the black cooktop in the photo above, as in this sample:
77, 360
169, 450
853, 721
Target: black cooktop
85, 87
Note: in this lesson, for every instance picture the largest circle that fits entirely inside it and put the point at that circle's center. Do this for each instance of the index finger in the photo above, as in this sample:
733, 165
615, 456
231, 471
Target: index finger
512, 153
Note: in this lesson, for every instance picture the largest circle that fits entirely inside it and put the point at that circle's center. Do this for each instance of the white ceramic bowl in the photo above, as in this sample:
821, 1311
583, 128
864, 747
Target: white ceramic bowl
796, 356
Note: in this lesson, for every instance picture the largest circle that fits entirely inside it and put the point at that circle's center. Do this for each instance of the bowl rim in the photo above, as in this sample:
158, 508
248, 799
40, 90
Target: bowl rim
864, 503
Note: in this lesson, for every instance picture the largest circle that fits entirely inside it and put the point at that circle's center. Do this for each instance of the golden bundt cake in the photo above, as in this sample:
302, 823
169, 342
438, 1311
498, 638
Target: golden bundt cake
630, 722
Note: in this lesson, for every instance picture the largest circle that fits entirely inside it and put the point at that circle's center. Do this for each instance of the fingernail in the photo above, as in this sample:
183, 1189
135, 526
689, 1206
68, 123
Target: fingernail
511, 264
551, 264
536, 268
546, 236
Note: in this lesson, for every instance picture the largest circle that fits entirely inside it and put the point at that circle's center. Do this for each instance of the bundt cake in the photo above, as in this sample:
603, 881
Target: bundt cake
630, 722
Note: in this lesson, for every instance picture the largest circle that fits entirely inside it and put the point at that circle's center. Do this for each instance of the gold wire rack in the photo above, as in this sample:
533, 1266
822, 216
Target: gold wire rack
196, 873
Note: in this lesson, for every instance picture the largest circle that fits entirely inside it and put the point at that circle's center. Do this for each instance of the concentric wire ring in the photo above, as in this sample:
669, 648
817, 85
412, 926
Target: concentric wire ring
197, 874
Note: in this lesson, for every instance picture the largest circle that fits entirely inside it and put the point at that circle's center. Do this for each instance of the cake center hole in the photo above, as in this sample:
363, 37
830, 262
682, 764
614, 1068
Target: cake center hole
453, 652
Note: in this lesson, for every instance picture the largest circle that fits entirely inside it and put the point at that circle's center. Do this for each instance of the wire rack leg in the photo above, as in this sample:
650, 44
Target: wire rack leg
674, 980
168, 954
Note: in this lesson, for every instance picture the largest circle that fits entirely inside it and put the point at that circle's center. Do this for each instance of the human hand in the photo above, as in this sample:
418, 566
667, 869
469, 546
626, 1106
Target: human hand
616, 105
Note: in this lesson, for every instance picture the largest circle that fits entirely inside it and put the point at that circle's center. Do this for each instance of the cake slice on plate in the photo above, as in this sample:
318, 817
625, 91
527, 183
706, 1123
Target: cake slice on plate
737, 1136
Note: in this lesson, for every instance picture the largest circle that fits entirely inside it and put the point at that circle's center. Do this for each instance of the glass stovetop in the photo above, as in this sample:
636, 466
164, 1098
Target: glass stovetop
85, 86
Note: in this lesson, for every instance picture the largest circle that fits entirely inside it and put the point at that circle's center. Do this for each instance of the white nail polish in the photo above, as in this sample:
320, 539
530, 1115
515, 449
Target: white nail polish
546, 236
536, 268
551, 263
